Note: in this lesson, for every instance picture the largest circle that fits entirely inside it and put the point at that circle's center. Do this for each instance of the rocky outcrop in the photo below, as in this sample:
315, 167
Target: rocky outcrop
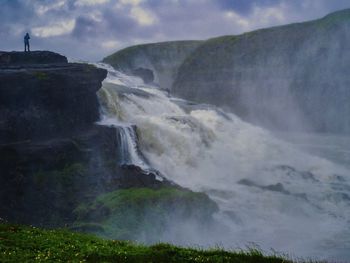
45, 100
151, 214
160, 60
32, 58
42, 181
145, 74
53, 155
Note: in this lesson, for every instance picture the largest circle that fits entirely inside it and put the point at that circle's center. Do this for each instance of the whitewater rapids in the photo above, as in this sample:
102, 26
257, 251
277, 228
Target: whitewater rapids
269, 192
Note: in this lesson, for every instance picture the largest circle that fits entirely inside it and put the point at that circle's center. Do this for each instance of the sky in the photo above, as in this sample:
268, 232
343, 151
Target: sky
92, 29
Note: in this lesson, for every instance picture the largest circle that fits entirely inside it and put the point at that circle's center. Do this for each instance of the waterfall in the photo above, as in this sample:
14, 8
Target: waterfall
269, 191
129, 152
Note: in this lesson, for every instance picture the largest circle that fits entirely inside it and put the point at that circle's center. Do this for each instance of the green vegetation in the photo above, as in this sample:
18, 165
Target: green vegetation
334, 19
41, 75
129, 213
124, 55
63, 177
29, 244
57, 192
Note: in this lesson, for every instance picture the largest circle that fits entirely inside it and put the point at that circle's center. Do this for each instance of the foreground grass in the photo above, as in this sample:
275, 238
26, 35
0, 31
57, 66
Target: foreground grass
29, 244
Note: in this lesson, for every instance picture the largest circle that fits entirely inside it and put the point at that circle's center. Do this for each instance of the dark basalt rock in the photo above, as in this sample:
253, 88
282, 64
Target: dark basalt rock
52, 154
33, 57
145, 74
44, 100
278, 187
134, 176
41, 182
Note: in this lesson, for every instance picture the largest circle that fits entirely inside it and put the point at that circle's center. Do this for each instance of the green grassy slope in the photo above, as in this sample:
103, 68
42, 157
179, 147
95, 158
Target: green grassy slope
127, 214
28, 244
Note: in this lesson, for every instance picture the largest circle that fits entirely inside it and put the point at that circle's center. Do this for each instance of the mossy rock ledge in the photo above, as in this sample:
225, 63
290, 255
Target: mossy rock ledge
143, 214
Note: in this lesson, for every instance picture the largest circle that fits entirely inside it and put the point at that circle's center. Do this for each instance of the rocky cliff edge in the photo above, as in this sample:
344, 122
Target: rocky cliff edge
53, 155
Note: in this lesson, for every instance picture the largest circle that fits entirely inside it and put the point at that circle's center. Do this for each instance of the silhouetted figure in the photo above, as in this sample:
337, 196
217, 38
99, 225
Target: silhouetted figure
26, 42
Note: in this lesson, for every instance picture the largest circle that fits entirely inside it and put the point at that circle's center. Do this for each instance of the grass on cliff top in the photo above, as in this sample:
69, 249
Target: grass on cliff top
124, 56
29, 244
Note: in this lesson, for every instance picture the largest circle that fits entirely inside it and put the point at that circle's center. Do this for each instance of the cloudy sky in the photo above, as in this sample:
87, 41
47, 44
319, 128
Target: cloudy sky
92, 29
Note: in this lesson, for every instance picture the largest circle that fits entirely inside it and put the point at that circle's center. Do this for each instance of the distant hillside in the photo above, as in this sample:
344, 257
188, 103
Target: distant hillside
162, 58
294, 77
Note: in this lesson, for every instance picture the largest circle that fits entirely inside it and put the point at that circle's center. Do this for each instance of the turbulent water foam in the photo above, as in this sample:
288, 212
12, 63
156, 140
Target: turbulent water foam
269, 192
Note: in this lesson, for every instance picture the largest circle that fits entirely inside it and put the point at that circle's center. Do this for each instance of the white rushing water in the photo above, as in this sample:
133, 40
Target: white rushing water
269, 191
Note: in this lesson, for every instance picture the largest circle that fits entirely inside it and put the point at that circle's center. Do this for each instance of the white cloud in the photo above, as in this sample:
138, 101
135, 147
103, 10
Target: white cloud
142, 16
90, 2
237, 19
61, 28
269, 15
110, 44
259, 17
96, 24
42, 9
130, 2
96, 16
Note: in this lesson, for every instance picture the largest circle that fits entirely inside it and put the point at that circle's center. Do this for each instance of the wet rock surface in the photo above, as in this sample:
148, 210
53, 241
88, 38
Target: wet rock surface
156, 63
53, 155
45, 99
34, 57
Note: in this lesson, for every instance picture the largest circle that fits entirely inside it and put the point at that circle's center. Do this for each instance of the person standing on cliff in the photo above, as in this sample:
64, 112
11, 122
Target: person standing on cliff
26, 42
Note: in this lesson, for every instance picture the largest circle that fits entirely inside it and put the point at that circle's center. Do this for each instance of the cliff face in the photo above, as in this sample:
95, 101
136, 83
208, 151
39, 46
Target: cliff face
46, 97
160, 60
290, 77
52, 154
293, 77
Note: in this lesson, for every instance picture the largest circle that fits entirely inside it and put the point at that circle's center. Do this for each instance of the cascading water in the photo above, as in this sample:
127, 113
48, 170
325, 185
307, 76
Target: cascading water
128, 147
269, 192
127, 138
